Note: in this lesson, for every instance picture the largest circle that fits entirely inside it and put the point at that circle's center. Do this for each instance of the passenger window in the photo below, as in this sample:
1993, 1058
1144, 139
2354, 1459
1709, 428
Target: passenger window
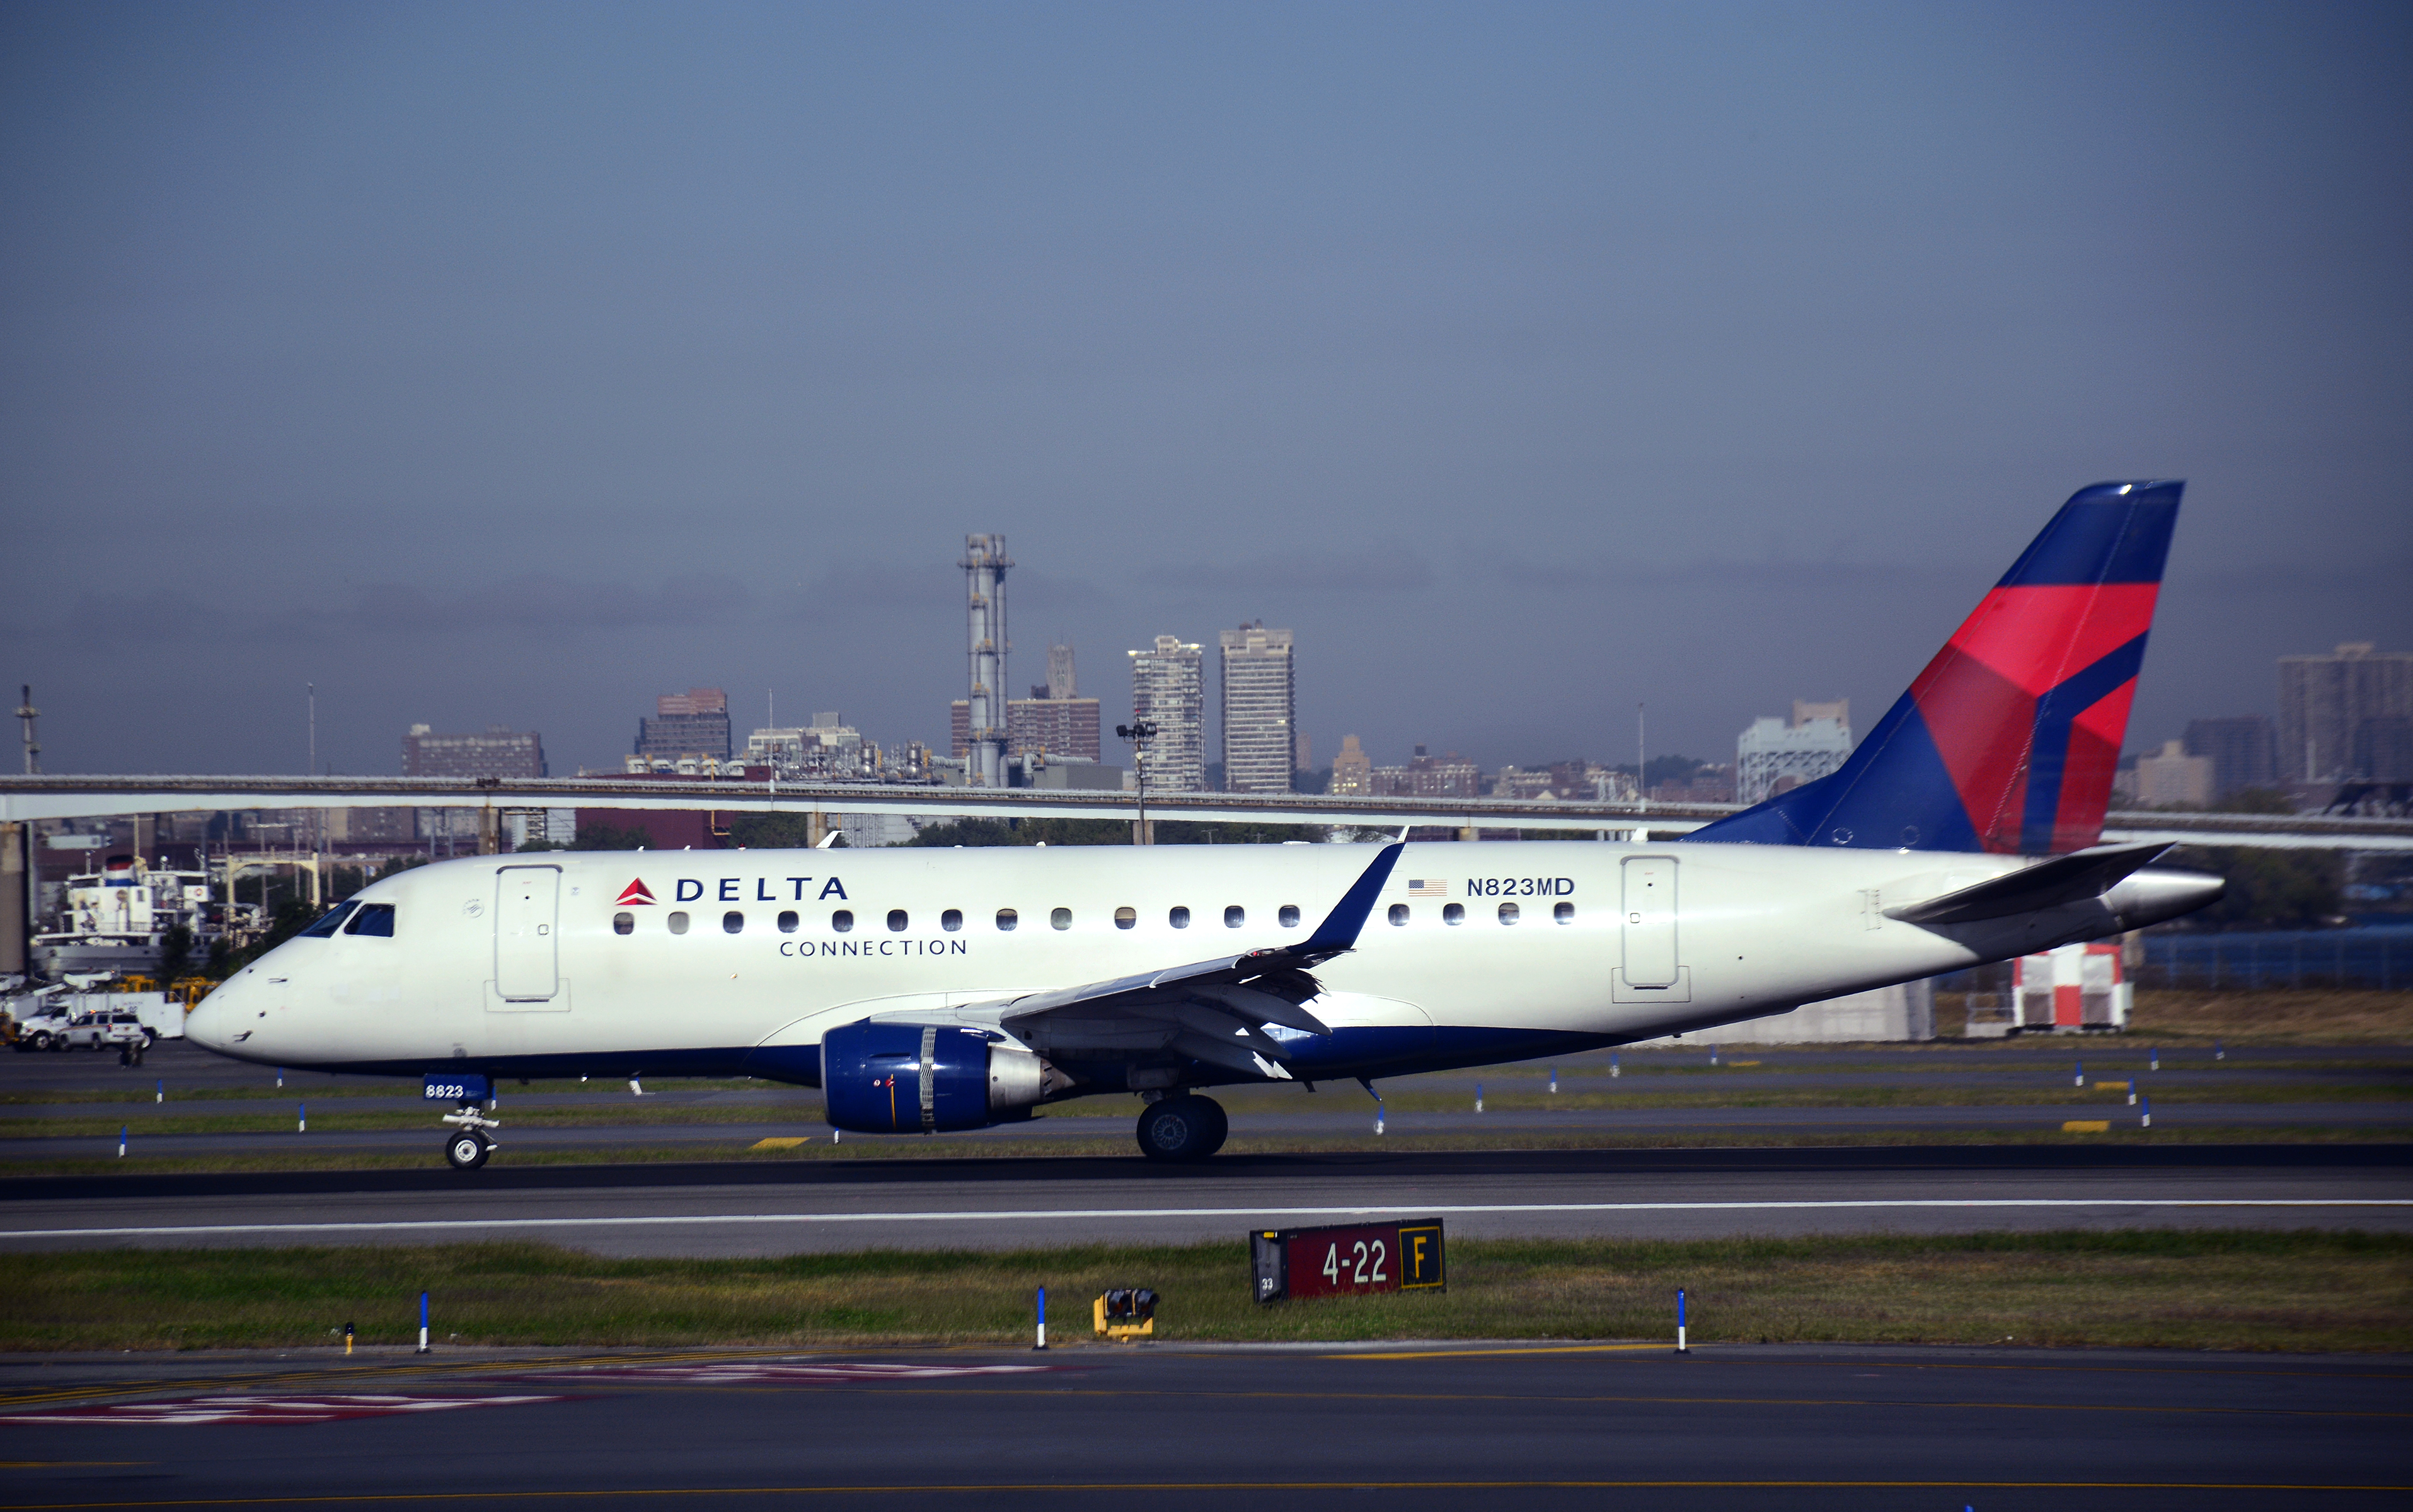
1007, 919
1564, 913
1126, 917
1507, 912
678, 923
897, 921
1453, 913
1234, 917
1288, 916
1179, 918
1399, 913
1061, 919
328, 922
843, 920
786, 921
623, 924
373, 920
952, 920
732, 923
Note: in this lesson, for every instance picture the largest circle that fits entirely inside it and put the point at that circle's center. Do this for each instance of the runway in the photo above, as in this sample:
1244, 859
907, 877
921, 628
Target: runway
1418, 1426
1010, 1204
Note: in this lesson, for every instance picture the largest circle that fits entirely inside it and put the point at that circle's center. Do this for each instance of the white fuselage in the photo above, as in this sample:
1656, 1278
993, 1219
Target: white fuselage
535, 965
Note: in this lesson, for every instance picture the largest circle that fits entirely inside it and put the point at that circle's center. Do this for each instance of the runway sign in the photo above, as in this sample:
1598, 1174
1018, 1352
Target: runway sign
211, 1410
1351, 1259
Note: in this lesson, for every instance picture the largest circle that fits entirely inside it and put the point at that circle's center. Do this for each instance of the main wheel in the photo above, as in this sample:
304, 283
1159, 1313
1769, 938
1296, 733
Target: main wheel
466, 1150
1182, 1128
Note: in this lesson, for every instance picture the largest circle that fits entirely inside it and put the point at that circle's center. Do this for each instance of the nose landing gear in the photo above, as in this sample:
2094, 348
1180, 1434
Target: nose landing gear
466, 1147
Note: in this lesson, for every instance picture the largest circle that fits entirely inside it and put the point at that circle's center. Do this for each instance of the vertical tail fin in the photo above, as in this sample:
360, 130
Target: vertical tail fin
2009, 739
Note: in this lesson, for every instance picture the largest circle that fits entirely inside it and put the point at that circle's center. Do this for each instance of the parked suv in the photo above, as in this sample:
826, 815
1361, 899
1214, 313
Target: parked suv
104, 1027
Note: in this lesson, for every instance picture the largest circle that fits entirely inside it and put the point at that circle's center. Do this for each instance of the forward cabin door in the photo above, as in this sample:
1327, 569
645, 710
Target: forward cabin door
1649, 920
527, 928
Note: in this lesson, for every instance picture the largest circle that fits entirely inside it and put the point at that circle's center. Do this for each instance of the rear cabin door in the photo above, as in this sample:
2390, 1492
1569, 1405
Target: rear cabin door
1649, 921
527, 952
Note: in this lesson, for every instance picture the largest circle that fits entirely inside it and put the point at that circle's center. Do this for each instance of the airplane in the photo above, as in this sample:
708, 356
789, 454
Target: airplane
929, 991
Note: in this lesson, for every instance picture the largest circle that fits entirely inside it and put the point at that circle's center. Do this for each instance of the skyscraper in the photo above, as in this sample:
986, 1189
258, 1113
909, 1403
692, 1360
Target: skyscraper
1259, 695
1060, 674
2324, 702
694, 723
1167, 691
1352, 771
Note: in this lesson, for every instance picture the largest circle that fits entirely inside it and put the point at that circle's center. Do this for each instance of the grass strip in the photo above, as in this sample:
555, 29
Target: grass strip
1119, 1146
2174, 1288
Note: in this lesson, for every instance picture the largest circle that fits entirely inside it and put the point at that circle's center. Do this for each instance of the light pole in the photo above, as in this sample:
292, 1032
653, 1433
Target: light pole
1139, 732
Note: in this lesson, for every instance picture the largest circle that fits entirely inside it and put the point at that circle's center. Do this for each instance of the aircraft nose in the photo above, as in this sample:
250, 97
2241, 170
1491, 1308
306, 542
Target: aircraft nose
206, 1022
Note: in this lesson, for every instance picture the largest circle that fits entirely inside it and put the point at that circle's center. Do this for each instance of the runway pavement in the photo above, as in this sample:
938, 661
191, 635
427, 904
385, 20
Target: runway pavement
1002, 1204
70, 1106
1417, 1427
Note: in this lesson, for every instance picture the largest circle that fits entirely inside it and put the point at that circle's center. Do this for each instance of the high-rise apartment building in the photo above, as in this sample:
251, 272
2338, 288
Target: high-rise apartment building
1059, 675
691, 723
1776, 756
1168, 691
2325, 701
1260, 697
500, 752
2241, 751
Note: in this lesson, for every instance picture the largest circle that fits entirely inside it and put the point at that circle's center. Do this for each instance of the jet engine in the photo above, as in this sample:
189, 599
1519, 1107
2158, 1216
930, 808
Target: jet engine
923, 1079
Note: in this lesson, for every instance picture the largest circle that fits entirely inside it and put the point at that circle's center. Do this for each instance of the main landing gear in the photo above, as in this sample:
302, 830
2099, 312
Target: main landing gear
1182, 1128
466, 1147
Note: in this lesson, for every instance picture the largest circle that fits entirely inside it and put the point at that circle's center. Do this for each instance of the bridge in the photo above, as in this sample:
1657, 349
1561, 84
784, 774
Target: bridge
65, 796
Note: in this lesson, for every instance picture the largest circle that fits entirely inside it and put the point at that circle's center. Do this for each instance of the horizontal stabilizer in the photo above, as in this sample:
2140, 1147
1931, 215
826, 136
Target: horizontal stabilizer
2088, 874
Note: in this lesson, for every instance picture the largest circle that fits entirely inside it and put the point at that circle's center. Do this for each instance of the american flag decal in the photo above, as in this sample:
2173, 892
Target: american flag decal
1427, 886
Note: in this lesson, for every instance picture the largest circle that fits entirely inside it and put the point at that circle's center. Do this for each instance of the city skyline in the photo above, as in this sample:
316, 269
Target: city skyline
480, 369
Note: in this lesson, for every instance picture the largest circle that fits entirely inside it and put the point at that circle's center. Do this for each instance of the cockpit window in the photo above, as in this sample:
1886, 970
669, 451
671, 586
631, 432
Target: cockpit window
373, 919
329, 922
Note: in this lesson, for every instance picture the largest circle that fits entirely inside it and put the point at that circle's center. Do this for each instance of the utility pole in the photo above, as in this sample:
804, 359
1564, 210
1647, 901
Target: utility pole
1641, 764
1139, 732
28, 713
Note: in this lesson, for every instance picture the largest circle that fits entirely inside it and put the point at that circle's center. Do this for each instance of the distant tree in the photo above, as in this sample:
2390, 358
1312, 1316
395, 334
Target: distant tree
771, 832
611, 837
397, 866
176, 952
1667, 769
2268, 890
1189, 832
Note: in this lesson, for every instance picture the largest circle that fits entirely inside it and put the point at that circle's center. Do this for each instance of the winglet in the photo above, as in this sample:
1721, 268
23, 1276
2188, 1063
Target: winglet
1338, 931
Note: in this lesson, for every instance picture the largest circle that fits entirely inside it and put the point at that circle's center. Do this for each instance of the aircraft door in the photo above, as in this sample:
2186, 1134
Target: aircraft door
527, 924
1649, 921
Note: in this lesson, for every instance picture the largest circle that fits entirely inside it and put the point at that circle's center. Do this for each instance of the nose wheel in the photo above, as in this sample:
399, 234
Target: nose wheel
467, 1146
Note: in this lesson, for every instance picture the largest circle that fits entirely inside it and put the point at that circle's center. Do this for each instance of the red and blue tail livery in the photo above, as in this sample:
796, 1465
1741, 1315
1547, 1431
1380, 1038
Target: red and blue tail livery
2009, 739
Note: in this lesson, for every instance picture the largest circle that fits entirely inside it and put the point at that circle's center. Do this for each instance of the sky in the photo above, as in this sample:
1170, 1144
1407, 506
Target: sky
514, 364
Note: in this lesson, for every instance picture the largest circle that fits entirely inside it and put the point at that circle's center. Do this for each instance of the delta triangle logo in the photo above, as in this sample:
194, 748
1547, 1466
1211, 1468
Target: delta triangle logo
635, 892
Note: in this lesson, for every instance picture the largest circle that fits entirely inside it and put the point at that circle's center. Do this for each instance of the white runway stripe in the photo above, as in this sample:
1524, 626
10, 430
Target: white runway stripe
1049, 1214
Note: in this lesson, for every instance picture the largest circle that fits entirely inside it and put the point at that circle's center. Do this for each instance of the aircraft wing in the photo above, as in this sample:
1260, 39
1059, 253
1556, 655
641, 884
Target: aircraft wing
1209, 1010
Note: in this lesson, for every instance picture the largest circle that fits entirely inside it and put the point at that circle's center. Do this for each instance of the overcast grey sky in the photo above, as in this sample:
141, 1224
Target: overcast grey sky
516, 363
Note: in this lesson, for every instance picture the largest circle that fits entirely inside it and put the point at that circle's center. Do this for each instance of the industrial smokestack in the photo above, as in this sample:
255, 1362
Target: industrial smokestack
984, 567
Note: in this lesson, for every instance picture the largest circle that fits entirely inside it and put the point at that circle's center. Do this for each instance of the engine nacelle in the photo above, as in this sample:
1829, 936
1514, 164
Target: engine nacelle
924, 1078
